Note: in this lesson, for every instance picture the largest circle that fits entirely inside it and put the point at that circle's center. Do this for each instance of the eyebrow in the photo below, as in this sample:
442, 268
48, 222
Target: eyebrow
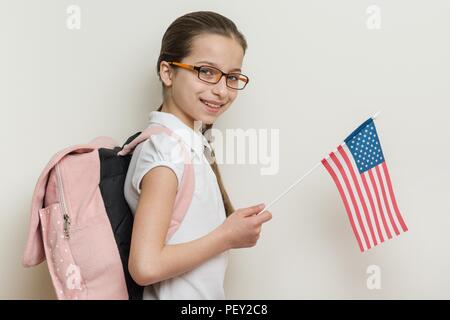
215, 65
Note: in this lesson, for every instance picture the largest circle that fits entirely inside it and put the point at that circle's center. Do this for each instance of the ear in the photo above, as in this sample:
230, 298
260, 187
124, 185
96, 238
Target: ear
166, 73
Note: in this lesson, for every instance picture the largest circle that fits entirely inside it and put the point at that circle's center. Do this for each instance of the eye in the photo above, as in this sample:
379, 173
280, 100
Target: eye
207, 71
233, 77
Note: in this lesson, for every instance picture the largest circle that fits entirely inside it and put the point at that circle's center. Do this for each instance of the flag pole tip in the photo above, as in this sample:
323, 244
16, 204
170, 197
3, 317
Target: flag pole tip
376, 114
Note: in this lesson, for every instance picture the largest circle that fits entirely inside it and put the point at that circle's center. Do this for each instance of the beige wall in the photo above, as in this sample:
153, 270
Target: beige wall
317, 71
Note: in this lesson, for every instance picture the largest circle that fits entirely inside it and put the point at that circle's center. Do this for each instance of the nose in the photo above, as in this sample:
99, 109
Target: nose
220, 88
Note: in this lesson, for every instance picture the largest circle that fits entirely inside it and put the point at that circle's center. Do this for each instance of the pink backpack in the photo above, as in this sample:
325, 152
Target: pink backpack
75, 230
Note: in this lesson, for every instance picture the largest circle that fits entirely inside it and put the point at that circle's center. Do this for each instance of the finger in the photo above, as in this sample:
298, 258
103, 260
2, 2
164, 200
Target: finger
263, 217
252, 210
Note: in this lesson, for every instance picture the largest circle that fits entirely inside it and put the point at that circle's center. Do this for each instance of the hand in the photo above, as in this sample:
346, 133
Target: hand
243, 227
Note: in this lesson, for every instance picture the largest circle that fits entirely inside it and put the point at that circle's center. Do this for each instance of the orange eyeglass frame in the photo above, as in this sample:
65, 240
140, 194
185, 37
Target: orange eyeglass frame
197, 68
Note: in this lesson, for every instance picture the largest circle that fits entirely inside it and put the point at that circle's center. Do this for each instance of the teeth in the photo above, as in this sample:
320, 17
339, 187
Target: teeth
211, 105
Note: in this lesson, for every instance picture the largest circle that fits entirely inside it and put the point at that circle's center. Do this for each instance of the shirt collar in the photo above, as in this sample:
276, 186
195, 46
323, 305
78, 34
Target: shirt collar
193, 138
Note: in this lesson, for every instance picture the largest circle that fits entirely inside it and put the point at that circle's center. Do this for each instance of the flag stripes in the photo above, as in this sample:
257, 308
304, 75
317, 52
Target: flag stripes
368, 198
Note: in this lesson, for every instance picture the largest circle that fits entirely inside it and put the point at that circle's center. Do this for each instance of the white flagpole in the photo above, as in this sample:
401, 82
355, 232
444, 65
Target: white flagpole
304, 176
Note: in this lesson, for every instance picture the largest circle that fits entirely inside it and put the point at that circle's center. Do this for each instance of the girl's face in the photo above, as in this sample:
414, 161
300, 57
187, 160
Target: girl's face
186, 91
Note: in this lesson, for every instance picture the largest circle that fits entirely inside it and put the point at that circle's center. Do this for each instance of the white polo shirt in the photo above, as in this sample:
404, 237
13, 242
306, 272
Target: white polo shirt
205, 212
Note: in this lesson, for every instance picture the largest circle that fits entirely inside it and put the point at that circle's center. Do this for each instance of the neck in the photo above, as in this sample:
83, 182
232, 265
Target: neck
180, 114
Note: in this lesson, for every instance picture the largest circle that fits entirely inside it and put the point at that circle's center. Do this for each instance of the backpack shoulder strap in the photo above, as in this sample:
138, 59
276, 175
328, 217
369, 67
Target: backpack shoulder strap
187, 185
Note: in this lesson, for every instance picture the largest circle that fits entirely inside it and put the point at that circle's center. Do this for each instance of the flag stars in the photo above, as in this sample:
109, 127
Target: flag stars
366, 149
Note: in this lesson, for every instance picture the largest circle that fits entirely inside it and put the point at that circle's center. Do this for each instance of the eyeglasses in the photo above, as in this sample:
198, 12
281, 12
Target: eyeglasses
213, 75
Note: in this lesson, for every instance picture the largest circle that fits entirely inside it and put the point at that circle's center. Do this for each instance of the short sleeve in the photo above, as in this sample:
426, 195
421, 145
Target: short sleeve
158, 150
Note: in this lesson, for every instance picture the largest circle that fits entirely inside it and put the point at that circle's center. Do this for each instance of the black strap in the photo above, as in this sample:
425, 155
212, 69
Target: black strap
134, 136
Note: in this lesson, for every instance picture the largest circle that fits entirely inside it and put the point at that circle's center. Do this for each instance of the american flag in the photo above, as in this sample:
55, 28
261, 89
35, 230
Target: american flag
358, 168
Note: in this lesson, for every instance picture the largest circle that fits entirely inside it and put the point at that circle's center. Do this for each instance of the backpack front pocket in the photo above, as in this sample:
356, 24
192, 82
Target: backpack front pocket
65, 272
94, 248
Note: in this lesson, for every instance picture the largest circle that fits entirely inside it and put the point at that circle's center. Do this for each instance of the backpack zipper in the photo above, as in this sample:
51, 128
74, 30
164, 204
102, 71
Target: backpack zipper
66, 217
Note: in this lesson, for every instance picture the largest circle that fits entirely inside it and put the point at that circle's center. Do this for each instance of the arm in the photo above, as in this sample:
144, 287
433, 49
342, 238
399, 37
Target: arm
151, 260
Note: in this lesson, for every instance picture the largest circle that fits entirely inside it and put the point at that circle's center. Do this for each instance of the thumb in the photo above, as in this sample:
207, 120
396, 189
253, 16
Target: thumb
252, 210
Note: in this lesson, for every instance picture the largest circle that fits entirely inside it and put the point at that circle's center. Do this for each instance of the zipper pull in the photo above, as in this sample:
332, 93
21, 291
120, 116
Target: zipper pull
66, 225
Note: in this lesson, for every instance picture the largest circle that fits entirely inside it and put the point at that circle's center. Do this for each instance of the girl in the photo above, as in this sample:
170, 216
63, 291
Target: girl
200, 69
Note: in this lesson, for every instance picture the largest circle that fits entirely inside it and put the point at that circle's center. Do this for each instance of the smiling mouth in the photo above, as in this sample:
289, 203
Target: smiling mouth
211, 105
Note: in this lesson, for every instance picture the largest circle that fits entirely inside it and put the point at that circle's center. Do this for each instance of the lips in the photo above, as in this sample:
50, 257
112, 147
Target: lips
212, 103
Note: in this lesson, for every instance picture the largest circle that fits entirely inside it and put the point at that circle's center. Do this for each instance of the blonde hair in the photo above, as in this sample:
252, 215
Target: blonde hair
225, 198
